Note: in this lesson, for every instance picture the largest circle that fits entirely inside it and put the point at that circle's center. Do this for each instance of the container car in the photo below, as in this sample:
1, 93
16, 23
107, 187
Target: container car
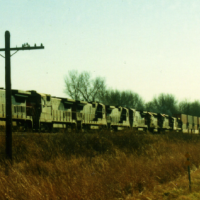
195, 125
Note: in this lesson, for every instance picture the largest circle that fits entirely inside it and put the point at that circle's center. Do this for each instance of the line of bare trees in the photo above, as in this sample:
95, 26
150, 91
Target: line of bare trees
80, 86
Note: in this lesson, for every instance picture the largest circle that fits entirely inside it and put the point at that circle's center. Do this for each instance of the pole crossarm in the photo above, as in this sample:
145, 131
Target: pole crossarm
23, 48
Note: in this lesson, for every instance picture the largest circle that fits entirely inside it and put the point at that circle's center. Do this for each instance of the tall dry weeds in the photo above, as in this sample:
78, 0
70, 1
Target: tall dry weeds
93, 165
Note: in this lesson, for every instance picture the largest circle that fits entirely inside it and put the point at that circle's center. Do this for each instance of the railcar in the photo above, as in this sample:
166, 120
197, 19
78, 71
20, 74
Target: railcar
151, 121
198, 124
137, 120
184, 122
52, 113
190, 123
175, 123
21, 111
93, 116
164, 122
117, 117
195, 129
43, 112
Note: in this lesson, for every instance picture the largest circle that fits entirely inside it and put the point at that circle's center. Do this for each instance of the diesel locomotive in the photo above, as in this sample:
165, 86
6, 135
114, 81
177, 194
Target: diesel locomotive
42, 112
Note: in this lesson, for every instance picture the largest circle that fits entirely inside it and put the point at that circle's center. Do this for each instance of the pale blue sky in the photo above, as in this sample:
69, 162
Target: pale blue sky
147, 46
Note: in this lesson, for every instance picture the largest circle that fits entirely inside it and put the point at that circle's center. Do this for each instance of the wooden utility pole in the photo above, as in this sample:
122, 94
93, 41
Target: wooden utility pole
8, 98
7, 50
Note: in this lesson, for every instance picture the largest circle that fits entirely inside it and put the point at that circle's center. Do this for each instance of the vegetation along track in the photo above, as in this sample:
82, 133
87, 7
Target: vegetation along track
98, 165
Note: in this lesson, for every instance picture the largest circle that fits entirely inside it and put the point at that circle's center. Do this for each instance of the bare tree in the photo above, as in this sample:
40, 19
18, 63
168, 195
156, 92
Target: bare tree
190, 108
72, 83
195, 108
82, 87
184, 107
164, 103
127, 99
149, 106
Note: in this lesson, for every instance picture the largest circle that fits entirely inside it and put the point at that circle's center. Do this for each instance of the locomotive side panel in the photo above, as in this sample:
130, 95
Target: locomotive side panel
19, 109
94, 116
119, 118
137, 120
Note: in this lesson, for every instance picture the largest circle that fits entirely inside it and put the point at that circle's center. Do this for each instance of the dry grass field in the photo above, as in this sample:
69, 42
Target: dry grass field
100, 166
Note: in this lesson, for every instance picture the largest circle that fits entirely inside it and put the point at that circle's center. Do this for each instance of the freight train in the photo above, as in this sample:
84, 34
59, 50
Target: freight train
42, 112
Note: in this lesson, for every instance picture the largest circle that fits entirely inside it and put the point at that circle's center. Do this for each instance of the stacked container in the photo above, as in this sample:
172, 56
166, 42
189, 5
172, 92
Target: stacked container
184, 122
190, 123
195, 125
198, 120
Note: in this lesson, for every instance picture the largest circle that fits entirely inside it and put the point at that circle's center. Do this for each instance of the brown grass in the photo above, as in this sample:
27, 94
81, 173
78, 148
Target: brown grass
92, 166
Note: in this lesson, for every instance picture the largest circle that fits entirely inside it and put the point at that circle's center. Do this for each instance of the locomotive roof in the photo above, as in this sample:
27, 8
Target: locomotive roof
43, 95
23, 92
